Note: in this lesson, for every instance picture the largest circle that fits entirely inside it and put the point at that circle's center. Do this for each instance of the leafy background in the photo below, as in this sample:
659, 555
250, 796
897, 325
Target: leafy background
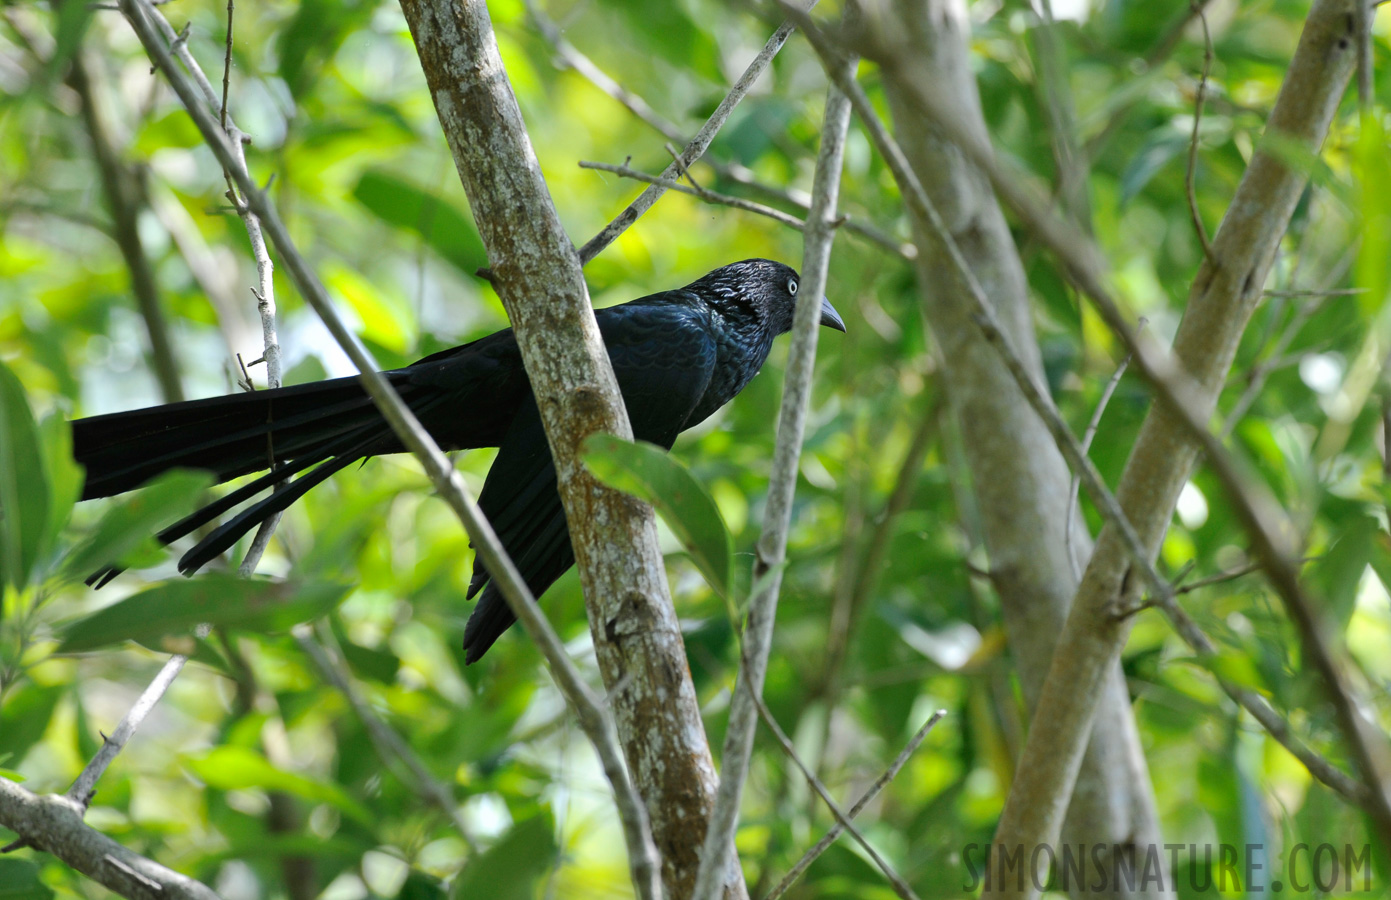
255, 775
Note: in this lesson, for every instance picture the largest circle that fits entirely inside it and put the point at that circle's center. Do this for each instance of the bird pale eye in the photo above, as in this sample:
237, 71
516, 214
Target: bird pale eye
792, 287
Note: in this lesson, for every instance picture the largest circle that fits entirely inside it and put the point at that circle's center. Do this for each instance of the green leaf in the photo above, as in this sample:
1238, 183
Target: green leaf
445, 229
1237, 668
64, 474
651, 474
1339, 571
73, 19
510, 869
420, 886
237, 768
1374, 176
136, 520
24, 497
19, 878
25, 717
175, 608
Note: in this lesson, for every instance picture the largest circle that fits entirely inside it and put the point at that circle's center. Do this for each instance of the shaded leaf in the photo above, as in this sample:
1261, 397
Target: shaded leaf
175, 608
19, 878
73, 19
237, 768
509, 869
24, 497
25, 717
651, 474
64, 474
445, 229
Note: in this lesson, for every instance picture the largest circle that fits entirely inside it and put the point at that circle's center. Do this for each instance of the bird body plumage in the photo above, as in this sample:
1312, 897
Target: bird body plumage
678, 356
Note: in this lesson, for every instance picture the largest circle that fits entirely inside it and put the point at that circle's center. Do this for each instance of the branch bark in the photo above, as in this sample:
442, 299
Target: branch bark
54, 824
536, 271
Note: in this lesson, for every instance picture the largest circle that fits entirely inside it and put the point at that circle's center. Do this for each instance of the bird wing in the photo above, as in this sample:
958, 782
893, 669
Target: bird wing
663, 356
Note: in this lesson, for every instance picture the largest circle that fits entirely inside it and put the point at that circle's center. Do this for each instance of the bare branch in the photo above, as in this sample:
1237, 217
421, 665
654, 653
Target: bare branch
1087, 436
895, 880
694, 150
588, 709
836, 830
886, 241
1196, 7
388, 743
567, 54
82, 789
121, 189
54, 825
772, 544
708, 196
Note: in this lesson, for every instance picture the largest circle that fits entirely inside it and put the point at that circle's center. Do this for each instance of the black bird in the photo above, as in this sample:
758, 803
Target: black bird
679, 356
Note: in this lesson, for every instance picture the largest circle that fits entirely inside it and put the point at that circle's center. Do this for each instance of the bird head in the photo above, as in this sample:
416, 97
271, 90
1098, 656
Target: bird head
759, 293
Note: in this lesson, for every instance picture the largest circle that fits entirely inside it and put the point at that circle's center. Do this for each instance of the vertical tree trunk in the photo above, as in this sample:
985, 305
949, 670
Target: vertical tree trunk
1220, 302
1020, 479
536, 271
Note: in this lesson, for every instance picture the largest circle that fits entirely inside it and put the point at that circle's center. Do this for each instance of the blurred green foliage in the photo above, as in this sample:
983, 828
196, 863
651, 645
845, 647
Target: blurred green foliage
255, 775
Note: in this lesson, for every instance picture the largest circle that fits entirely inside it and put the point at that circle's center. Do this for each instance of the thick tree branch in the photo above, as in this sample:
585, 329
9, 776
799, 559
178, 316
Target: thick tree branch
537, 275
54, 825
589, 711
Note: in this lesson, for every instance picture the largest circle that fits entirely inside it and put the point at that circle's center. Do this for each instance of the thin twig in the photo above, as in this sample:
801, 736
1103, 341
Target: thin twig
227, 66
1198, 226
694, 150
264, 292
1222, 577
1276, 357
120, 186
837, 829
1158, 53
1316, 292
772, 544
708, 196
567, 54
896, 881
588, 708
1087, 437
80, 794
888, 242
85, 785
388, 743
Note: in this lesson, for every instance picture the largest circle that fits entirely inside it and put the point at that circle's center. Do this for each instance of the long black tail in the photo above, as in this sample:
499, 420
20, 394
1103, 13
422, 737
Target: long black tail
309, 430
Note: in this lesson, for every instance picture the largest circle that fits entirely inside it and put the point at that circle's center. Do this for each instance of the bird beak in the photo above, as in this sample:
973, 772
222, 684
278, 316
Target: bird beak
830, 318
